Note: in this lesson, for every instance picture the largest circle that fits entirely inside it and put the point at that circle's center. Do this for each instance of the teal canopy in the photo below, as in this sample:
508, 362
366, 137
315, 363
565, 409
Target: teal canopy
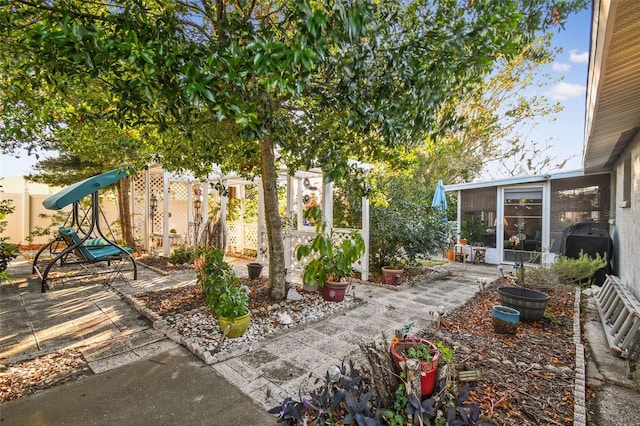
79, 190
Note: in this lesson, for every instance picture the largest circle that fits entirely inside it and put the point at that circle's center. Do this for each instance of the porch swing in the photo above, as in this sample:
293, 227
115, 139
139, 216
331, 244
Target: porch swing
85, 247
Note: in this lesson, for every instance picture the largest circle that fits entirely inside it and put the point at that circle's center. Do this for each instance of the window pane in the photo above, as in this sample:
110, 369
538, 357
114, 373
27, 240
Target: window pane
478, 216
581, 199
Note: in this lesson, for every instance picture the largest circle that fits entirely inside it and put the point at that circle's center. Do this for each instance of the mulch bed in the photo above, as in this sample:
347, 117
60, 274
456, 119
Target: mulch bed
162, 263
184, 299
527, 378
27, 377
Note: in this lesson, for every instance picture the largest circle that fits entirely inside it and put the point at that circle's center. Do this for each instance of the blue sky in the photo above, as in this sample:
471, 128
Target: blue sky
568, 73
572, 64
565, 135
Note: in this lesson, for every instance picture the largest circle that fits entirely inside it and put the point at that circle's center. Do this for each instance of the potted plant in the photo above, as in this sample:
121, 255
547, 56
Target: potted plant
505, 319
225, 297
254, 269
393, 272
424, 351
330, 260
233, 309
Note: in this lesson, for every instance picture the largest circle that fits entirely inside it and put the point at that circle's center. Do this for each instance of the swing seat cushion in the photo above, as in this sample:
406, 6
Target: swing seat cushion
95, 254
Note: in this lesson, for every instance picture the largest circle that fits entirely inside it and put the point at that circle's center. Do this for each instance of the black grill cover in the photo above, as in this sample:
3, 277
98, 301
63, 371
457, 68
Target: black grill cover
591, 238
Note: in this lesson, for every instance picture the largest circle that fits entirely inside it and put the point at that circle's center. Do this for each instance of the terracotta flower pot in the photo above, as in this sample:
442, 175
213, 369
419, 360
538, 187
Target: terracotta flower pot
428, 369
450, 254
334, 291
392, 276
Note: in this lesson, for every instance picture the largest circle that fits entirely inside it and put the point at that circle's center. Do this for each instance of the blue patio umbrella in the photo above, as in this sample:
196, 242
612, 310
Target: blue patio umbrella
439, 198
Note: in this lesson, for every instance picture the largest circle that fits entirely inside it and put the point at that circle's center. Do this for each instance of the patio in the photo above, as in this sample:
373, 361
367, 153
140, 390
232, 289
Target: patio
115, 336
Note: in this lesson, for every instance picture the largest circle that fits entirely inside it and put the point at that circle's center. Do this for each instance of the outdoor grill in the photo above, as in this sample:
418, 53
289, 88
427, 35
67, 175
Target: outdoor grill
591, 238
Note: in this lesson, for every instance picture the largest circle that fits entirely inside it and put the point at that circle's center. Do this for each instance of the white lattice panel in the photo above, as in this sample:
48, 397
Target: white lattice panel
251, 236
179, 208
156, 185
139, 184
302, 237
263, 250
340, 235
233, 236
297, 238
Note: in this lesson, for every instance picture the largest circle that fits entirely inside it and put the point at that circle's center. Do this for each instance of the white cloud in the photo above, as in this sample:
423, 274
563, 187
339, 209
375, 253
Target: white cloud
578, 57
564, 91
559, 66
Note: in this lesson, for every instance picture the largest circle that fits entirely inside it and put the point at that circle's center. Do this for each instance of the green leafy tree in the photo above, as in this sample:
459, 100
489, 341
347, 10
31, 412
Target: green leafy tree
494, 122
8, 251
296, 82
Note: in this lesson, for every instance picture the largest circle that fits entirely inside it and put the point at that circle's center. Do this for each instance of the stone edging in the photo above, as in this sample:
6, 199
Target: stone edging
579, 413
168, 331
579, 391
197, 350
153, 268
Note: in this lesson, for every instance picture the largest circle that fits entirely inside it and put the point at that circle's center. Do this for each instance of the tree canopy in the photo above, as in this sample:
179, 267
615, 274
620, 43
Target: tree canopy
255, 84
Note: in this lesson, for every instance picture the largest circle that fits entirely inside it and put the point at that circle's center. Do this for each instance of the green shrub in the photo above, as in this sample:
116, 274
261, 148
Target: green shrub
8, 252
405, 229
578, 271
183, 254
565, 270
224, 294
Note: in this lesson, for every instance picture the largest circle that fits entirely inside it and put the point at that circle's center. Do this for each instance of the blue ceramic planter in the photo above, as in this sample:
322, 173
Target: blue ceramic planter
505, 319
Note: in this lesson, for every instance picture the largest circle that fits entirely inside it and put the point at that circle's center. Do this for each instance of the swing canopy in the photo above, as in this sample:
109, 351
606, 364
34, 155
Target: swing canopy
81, 189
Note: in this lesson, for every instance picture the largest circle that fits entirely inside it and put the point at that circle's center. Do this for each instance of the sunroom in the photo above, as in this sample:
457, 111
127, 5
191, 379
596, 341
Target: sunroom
522, 218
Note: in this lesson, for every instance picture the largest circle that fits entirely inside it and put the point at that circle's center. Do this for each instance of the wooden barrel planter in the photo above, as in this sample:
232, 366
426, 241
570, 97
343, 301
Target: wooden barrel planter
530, 303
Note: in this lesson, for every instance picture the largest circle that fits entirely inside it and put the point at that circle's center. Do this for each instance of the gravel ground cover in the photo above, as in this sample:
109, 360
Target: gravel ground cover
182, 310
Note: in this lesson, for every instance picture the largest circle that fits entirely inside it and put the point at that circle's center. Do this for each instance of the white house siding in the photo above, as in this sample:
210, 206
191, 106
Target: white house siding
626, 231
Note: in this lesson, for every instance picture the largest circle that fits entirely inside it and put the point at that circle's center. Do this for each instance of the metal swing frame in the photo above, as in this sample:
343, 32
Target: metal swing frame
76, 237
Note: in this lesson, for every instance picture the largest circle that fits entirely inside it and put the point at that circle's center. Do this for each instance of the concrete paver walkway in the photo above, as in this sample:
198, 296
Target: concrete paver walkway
282, 365
171, 387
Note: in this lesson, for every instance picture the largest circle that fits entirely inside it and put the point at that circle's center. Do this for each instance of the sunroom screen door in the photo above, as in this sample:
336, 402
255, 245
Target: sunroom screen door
523, 225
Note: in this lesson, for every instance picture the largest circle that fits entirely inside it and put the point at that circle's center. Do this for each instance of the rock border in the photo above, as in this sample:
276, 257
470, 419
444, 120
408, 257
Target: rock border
579, 393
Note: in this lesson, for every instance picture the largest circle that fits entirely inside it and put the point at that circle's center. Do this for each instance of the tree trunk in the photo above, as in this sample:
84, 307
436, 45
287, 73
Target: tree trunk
277, 271
383, 375
124, 210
